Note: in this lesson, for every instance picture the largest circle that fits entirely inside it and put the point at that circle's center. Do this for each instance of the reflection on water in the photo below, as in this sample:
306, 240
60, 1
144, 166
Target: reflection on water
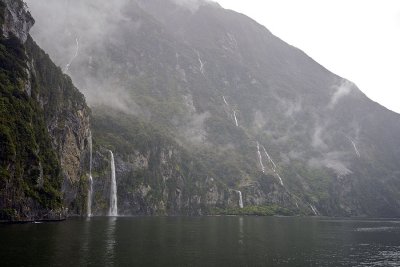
376, 229
202, 241
110, 241
241, 233
84, 255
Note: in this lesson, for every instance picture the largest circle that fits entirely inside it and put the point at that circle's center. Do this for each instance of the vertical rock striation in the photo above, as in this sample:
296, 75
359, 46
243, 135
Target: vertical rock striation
44, 124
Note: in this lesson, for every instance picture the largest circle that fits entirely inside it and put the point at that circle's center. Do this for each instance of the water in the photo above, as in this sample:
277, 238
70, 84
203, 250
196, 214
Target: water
240, 199
269, 159
260, 158
226, 103
90, 190
355, 149
202, 241
273, 166
113, 191
201, 62
90, 196
314, 210
236, 120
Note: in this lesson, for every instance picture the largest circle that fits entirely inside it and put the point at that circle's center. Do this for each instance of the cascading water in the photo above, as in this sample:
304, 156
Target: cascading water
314, 210
269, 159
75, 55
355, 148
234, 112
201, 62
240, 199
90, 190
113, 192
226, 103
260, 158
90, 197
273, 165
280, 178
236, 121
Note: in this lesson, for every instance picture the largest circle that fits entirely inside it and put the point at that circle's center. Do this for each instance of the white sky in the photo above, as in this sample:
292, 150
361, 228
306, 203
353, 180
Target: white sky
356, 39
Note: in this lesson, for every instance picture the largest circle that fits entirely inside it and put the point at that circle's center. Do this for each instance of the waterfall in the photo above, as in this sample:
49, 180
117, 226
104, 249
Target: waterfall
269, 159
354, 145
314, 210
260, 158
273, 165
240, 199
355, 148
226, 103
280, 178
90, 197
75, 55
236, 121
201, 62
113, 191
90, 190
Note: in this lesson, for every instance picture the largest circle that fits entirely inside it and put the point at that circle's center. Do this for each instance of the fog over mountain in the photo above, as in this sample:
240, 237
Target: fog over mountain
198, 102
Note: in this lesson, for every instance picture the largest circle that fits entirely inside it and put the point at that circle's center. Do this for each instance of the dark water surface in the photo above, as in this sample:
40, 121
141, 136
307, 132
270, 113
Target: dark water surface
202, 241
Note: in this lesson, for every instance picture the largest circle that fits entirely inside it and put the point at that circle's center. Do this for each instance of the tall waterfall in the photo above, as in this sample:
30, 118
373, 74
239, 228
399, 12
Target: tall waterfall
260, 158
113, 192
269, 159
240, 199
273, 165
90, 190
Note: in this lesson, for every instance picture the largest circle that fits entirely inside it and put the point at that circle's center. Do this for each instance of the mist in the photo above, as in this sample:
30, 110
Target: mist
341, 91
193, 5
76, 29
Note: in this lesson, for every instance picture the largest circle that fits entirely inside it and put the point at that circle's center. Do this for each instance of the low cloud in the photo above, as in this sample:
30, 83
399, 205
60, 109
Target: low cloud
193, 5
333, 161
259, 120
317, 138
194, 131
341, 91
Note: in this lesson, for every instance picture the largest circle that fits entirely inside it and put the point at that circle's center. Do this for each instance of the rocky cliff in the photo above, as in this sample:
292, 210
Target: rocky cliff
44, 126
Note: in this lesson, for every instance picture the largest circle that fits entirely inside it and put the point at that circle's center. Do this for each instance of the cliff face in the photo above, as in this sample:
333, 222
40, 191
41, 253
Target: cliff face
15, 19
197, 103
158, 176
44, 122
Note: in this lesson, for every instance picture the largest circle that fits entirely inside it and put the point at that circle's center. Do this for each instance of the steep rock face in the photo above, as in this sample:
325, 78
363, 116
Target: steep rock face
44, 122
67, 119
156, 177
16, 19
246, 110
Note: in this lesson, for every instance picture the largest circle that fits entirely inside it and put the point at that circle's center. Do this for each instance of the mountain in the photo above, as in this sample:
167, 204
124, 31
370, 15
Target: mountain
203, 106
44, 127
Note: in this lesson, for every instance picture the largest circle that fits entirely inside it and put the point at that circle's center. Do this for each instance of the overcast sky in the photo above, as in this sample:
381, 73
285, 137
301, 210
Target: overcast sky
356, 39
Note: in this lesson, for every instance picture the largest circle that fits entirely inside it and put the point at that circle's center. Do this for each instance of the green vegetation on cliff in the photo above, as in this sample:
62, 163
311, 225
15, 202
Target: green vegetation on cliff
37, 104
210, 102
265, 210
28, 164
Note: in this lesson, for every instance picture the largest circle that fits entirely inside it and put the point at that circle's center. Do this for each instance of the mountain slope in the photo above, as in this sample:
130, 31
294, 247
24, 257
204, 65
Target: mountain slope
220, 92
43, 125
